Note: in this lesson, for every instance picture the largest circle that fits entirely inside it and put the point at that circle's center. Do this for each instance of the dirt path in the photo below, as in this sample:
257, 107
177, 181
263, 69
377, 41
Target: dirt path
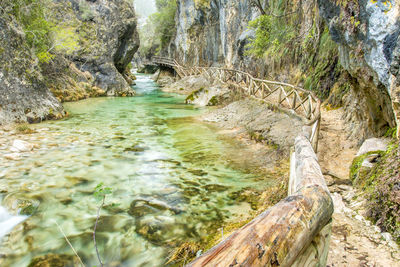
355, 241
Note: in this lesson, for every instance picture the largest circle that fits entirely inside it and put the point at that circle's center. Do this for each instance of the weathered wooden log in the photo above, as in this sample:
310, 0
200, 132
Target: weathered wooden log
277, 236
281, 236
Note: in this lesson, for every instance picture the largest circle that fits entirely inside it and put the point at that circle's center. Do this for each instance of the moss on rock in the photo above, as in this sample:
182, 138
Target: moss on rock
382, 187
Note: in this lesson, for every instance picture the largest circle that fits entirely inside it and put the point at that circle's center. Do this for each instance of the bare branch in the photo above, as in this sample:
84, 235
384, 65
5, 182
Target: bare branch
69, 243
94, 231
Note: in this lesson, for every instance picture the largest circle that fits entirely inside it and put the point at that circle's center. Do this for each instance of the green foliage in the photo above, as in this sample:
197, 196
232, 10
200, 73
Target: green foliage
101, 191
275, 32
323, 66
382, 187
202, 3
85, 11
32, 15
391, 132
43, 34
160, 28
273, 37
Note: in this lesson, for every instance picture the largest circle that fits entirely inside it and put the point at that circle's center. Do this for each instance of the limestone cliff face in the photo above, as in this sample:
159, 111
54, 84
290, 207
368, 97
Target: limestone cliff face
108, 39
94, 41
212, 32
368, 36
23, 95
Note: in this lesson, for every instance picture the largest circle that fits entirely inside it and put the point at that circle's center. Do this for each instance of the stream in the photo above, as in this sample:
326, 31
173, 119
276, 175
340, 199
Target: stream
173, 178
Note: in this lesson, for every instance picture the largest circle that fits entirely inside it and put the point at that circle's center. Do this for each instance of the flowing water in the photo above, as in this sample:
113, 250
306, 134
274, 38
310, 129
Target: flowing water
174, 179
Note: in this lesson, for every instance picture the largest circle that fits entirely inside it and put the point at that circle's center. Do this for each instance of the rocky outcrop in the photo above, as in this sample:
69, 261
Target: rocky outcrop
92, 44
23, 94
364, 77
261, 122
368, 36
107, 40
212, 31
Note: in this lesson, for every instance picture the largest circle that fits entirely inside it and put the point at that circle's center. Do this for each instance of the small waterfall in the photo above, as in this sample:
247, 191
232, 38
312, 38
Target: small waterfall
8, 221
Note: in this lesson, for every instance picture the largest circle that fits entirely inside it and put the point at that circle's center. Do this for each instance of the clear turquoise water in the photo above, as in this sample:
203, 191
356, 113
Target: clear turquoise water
173, 178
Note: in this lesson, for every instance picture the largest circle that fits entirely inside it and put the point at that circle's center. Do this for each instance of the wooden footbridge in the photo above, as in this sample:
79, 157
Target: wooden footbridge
296, 231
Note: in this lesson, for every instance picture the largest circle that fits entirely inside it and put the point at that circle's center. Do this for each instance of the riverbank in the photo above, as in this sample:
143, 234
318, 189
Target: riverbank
355, 241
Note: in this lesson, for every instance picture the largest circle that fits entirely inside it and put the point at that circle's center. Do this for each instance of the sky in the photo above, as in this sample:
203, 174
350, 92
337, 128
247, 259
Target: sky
144, 7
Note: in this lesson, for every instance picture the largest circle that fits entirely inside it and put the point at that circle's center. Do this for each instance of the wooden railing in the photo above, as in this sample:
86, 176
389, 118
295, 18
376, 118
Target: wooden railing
292, 99
296, 231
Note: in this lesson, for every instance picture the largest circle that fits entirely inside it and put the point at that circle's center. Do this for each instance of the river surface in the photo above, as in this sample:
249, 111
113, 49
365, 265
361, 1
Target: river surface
174, 179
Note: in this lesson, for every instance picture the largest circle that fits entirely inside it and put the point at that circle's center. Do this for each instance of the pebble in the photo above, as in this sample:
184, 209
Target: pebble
386, 236
12, 156
359, 217
21, 146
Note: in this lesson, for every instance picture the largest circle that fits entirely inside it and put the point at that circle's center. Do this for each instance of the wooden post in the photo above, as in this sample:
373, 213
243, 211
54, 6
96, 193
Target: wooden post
315, 135
294, 100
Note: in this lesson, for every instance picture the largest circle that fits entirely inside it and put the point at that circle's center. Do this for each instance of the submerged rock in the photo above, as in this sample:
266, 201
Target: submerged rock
17, 204
215, 188
12, 156
141, 207
159, 230
21, 146
135, 148
54, 260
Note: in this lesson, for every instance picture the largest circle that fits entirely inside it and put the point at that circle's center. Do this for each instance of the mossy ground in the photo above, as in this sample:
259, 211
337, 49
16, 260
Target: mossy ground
381, 185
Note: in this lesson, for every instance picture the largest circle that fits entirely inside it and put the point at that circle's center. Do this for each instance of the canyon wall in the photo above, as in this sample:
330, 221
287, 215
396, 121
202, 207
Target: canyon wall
357, 68
23, 95
212, 31
367, 33
90, 46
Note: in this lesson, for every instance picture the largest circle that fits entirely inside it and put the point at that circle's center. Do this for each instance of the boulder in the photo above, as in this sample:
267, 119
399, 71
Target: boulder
373, 144
18, 204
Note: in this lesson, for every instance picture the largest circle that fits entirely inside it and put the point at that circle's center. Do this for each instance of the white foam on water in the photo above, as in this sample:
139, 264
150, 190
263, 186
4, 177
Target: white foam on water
8, 221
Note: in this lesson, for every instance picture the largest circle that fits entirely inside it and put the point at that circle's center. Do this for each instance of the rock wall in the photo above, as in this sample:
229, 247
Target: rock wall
93, 44
107, 37
366, 81
368, 36
23, 95
212, 31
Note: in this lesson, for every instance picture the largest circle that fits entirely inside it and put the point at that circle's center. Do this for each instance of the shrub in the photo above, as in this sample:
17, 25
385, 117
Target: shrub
158, 32
32, 15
